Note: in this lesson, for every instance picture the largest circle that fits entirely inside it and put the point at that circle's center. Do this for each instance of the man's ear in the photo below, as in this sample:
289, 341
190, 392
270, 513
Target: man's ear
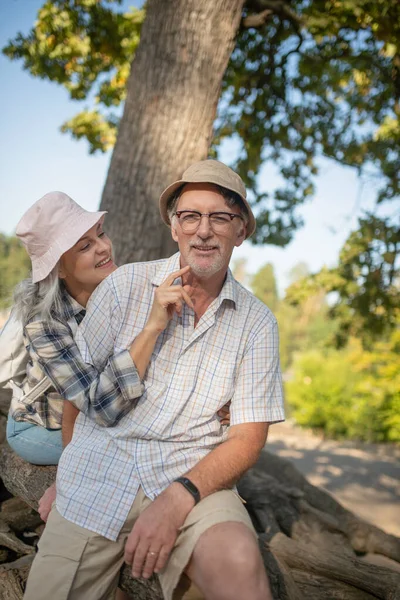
241, 235
173, 229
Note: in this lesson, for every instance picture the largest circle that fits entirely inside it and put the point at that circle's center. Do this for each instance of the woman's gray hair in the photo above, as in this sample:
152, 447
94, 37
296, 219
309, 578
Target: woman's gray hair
42, 300
232, 199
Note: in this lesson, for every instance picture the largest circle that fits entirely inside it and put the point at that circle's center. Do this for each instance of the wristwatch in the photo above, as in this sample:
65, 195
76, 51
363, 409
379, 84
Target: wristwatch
191, 488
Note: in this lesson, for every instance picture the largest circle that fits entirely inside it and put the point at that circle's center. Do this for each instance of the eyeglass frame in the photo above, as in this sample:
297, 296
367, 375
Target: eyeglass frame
178, 213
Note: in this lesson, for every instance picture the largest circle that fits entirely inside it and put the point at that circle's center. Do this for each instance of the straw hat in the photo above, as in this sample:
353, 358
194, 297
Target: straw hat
209, 171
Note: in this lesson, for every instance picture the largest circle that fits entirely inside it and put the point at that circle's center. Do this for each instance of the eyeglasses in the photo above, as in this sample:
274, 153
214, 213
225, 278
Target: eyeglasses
220, 222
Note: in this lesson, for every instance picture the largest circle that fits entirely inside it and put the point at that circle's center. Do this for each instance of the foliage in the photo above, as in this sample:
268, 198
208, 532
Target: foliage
307, 77
366, 282
319, 77
345, 393
301, 328
264, 286
87, 47
14, 266
349, 393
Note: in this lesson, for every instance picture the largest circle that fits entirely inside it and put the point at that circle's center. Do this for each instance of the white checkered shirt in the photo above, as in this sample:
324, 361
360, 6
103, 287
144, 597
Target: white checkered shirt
232, 354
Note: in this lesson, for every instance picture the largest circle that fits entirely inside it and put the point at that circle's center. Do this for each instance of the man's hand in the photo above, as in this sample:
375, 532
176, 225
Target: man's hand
46, 502
168, 299
154, 534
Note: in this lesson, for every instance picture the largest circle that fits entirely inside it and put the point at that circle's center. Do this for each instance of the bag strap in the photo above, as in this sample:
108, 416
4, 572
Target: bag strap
34, 393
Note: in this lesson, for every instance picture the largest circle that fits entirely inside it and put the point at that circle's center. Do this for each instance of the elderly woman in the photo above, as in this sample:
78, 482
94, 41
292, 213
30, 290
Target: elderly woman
71, 255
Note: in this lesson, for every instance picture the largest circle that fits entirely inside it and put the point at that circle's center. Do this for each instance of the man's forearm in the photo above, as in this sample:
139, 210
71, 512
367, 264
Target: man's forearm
224, 465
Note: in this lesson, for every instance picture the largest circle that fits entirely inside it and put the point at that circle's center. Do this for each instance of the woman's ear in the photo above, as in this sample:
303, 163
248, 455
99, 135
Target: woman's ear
61, 271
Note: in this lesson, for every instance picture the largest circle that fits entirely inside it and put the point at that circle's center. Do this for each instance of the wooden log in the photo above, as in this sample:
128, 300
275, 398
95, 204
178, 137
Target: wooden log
363, 536
28, 482
378, 581
324, 588
10, 540
18, 515
140, 589
5, 555
13, 578
276, 507
283, 586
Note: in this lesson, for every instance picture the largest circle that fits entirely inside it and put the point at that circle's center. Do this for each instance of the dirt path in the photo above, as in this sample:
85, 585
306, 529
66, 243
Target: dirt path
365, 478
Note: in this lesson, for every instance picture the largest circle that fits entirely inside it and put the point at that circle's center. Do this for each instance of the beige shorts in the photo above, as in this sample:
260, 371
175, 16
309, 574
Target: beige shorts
74, 563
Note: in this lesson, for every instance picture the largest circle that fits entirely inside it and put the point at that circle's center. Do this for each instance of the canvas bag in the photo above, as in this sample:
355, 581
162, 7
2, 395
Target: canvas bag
14, 358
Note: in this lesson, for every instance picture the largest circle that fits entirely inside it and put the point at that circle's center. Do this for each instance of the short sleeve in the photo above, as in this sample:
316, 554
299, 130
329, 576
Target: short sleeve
258, 395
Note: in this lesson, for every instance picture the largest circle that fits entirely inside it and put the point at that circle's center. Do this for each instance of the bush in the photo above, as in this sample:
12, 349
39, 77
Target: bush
14, 266
349, 393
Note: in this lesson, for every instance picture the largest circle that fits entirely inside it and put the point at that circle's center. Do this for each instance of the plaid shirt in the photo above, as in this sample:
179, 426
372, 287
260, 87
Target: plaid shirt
104, 397
47, 409
232, 354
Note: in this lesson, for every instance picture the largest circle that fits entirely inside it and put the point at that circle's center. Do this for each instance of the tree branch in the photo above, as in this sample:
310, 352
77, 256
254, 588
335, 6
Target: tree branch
279, 7
257, 20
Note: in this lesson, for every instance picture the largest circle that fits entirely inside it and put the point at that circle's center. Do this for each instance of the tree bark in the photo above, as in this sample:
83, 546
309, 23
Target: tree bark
172, 96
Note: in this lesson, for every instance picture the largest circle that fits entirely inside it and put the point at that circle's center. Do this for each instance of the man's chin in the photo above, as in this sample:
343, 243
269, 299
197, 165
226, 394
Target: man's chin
204, 270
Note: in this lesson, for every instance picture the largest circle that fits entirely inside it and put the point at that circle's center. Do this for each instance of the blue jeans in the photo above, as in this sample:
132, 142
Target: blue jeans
36, 444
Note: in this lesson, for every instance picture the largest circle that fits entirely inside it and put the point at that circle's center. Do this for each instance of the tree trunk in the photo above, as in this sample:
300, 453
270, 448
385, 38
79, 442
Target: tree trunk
171, 103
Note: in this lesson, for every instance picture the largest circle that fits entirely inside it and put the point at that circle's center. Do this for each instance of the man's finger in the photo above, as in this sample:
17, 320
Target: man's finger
130, 548
178, 307
138, 560
162, 558
171, 278
187, 298
150, 562
171, 295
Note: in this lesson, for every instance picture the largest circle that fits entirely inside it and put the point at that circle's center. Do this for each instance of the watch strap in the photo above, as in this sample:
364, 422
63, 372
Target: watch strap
191, 488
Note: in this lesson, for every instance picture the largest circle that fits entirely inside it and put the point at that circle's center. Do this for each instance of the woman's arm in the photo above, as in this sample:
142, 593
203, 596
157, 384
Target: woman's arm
104, 396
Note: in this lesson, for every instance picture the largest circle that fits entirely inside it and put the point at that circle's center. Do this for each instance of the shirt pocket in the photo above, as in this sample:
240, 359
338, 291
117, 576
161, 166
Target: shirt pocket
216, 381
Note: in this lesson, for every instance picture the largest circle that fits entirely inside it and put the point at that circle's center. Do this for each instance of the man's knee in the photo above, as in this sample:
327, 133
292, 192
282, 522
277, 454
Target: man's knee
229, 549
231, 546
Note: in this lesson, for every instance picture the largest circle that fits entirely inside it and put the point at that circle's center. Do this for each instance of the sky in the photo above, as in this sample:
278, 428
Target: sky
35, 158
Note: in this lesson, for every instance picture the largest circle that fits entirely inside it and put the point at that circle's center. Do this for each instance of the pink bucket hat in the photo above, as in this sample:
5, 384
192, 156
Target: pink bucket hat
51, 227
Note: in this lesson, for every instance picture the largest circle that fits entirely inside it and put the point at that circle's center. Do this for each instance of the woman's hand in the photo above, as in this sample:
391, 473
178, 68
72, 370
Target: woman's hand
168, 299
46, 501
224, 414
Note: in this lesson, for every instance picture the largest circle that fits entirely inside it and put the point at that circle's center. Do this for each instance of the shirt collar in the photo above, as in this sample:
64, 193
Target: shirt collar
229, 289
166, 268
70, 307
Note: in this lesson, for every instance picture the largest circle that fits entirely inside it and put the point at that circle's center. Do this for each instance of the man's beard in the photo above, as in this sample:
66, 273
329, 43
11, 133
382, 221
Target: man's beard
207, 270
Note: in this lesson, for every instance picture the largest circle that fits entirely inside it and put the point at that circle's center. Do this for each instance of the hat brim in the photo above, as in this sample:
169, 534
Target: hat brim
73, 231
171, 189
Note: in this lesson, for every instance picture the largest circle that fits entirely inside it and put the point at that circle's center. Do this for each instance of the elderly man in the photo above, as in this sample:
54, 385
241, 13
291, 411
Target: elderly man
157, 490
